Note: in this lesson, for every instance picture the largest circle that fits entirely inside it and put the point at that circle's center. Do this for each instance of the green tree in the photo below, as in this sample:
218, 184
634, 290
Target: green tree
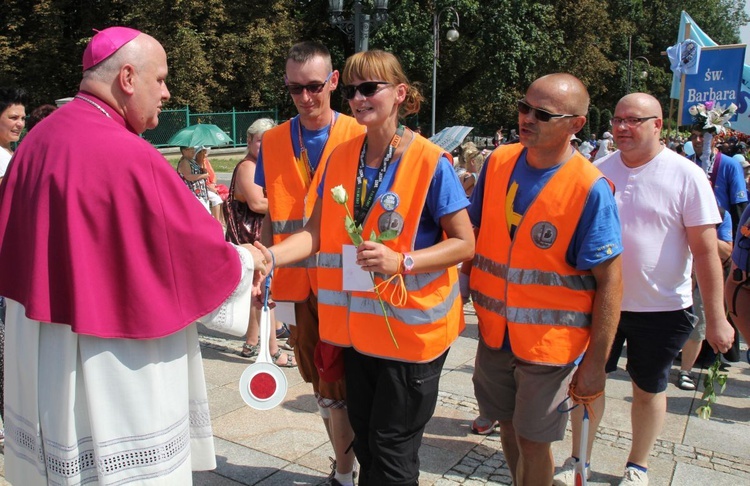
606, 116
593, 121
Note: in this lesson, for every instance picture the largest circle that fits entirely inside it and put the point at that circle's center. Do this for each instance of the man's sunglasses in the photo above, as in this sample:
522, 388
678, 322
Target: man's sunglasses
313, 88
541, 115
366, 89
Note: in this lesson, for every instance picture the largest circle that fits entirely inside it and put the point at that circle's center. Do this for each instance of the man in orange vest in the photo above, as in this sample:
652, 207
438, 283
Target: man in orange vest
545, 278
292, 159
668, 215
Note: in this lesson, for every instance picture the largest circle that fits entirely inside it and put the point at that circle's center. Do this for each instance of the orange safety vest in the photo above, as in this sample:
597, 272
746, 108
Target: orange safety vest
432, 317
526, 283
291, 199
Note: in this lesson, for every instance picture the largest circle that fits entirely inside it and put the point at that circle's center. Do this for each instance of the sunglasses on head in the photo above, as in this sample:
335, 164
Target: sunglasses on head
366, 89
541, 115
313, 88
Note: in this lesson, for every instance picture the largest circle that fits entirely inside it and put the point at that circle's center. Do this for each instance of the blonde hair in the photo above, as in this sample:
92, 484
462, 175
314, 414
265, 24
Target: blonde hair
377, 64
470, 153
259, 126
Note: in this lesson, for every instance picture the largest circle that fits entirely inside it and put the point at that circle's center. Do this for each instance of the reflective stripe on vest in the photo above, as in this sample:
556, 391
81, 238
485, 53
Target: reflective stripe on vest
526, 284
286, 228
532, 316
291, 199
433, 315
412, 282
371, 306
538, 277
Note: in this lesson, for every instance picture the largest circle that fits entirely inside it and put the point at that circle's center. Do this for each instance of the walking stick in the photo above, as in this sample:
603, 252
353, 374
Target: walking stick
580, 473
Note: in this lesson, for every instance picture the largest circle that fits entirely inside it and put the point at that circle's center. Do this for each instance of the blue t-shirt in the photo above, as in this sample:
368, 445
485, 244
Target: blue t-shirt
730, 188
724, 229
445, 196
597, 237
741, 250
315, 142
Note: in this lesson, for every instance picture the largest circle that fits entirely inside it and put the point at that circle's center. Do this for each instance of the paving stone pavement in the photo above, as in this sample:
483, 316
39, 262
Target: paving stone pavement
288, 445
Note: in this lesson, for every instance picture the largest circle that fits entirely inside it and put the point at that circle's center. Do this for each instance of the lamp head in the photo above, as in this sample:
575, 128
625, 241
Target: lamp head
336, 6
452, 35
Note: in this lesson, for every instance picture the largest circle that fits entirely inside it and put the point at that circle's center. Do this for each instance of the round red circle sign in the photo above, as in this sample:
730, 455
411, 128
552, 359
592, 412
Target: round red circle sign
262, 386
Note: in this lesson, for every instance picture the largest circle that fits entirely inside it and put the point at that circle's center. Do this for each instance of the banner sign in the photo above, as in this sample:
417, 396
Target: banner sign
717, 79
689, 30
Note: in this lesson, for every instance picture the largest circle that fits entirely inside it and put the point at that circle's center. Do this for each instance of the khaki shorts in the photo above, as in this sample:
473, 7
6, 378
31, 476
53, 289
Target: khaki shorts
528, 394
304, 336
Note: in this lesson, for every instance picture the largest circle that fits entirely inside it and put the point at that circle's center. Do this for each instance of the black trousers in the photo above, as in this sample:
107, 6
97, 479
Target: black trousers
389, 404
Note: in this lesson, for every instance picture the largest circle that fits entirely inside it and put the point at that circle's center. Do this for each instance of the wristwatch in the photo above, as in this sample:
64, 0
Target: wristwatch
408, 263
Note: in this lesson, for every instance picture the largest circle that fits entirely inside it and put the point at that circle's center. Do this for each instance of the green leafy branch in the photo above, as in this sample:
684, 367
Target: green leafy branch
355, 233
714, 377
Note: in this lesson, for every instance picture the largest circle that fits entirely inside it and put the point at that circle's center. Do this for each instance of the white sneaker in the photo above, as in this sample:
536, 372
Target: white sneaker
634, 477
566, 476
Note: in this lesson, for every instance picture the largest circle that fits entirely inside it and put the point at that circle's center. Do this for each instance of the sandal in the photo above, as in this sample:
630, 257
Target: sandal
283, 332
290, 362
250, 350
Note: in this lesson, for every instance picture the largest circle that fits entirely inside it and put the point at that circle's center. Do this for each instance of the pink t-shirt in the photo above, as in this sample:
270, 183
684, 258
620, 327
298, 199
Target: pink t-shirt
99, 232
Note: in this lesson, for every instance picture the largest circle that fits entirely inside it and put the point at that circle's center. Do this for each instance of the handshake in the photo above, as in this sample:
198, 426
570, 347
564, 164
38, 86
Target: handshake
262, 265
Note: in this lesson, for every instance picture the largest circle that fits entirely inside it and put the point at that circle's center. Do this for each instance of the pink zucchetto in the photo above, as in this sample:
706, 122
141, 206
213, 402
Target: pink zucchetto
105, 43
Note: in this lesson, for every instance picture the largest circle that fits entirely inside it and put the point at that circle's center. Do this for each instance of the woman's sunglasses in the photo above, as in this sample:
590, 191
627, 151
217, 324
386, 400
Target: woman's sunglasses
541, 115
366, 89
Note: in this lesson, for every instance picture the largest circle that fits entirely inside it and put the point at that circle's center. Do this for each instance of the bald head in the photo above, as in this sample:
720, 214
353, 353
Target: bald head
568, 92
636, 126
643, 102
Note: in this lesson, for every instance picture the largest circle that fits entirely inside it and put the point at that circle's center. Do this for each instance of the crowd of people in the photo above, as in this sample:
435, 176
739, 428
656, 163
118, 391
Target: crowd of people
373, 239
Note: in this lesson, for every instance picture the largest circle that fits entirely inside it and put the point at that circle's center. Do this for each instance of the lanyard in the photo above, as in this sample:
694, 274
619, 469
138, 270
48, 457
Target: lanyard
306, 169
361, 208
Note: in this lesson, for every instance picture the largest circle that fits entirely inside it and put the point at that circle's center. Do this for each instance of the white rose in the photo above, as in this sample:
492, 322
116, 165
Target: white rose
732, 108
693, 110
339, 194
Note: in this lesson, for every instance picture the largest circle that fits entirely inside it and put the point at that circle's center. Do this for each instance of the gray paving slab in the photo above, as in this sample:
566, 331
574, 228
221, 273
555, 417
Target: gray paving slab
689, 475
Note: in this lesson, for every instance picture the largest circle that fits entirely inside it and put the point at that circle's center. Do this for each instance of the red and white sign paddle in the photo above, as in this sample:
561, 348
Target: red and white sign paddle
263, 385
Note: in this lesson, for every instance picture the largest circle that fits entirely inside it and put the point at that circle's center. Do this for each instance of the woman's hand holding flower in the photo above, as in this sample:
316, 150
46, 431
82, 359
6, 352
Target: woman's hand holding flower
376, 257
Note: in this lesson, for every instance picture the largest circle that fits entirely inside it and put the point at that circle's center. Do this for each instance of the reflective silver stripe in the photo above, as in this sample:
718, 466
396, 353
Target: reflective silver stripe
490, 266
366, 305
309, 262
333, 297
413, 282
329, 260
552, 279
522, 315
286, 227
534, 277
549, 317
418, 281
490, 303
371, 305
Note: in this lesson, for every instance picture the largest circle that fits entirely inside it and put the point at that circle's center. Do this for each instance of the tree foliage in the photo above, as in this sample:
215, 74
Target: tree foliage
225, 54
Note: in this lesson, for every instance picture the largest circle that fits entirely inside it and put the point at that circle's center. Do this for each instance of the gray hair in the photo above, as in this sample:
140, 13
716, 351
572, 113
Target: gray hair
259, 126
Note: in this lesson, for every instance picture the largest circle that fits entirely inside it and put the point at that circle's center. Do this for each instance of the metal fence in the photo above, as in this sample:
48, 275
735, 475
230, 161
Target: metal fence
233, 122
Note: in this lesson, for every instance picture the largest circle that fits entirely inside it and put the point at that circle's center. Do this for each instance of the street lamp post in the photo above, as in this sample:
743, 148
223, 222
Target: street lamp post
361, 25
452, 36
630, 63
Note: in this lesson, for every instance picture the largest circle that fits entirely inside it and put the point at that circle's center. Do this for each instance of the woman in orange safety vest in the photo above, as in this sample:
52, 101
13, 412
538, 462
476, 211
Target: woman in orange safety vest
401, 189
